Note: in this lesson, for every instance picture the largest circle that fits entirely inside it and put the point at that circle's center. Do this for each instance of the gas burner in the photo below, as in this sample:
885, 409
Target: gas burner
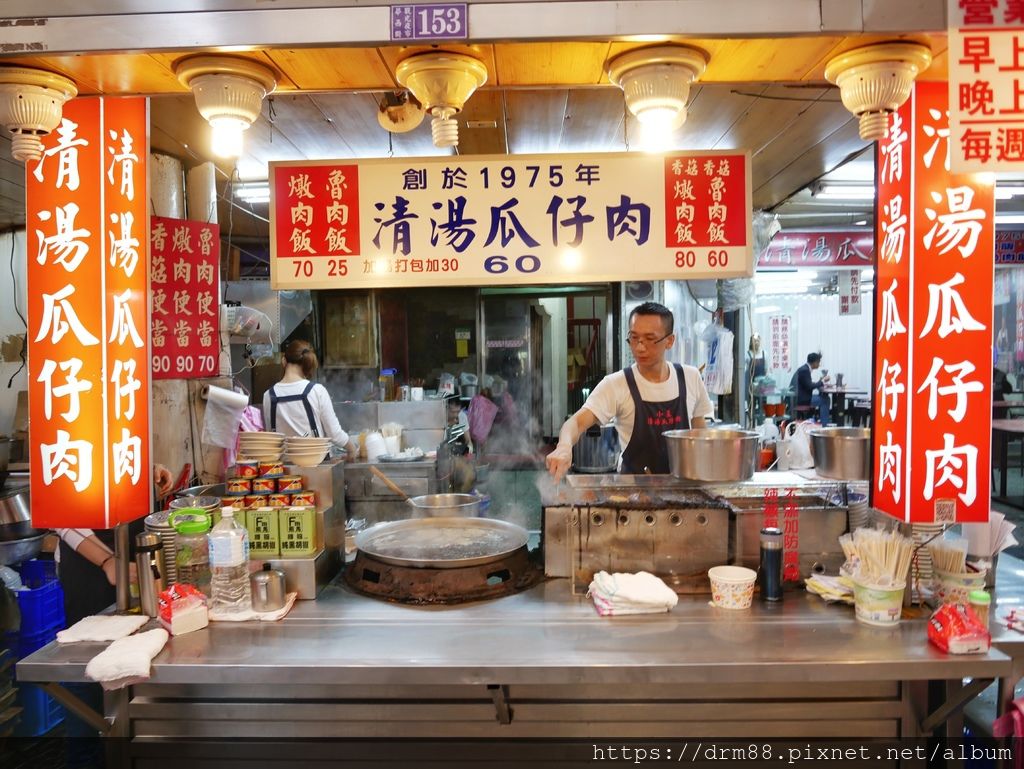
428, 585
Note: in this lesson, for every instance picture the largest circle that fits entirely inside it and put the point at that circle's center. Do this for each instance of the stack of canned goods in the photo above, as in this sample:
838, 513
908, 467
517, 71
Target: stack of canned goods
265, 484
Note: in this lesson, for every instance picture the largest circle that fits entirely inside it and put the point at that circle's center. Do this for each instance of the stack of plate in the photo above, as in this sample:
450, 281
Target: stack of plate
306, 452
860, 517
158, 523
263, 447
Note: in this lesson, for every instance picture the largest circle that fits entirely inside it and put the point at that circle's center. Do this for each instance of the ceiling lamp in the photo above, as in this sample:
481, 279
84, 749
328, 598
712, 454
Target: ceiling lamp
229, 93
31, 101
875, 81
656, 82
442, 82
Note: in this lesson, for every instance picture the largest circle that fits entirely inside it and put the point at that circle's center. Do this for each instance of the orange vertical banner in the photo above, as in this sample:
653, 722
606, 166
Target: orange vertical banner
79, 304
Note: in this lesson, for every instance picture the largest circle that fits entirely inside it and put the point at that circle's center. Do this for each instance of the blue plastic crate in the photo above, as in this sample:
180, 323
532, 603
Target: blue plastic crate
39, 712
23, 644
37, 572
42, 608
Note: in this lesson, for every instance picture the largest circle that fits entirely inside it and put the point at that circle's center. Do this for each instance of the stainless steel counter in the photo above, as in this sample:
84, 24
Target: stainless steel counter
544, 635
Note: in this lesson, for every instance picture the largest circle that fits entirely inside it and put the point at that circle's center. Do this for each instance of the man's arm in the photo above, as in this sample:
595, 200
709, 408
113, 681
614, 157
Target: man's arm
558, 461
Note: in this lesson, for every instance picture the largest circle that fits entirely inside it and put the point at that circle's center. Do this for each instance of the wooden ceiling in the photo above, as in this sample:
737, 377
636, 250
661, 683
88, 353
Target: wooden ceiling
766, 95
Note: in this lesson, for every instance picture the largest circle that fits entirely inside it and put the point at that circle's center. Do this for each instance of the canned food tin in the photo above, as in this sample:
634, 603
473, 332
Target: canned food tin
256, 500
279, 500
247, 468
304, 498
264, 485
236, 502
238, 486
271, 469
297, 531
289, 483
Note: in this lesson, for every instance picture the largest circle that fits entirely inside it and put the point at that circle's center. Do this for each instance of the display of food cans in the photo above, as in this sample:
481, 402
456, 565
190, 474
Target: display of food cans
271, 469
279, 500
264, 485
304, 498
256, 500
264, 536
237, 502
247, 468
238, 486
289, 483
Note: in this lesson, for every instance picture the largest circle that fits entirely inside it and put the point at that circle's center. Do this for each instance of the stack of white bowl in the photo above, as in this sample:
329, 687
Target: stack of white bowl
860, 516
306, 452
261, 446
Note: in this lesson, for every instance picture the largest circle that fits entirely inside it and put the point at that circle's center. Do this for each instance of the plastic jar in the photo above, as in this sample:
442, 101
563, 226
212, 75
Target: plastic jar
193, 548
980, 602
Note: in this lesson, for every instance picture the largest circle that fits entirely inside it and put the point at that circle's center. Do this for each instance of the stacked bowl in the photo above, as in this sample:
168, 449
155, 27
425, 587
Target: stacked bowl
306, 452
261, 446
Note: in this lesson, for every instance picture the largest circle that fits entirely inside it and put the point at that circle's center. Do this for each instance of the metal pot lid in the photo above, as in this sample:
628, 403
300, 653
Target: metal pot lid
441, 543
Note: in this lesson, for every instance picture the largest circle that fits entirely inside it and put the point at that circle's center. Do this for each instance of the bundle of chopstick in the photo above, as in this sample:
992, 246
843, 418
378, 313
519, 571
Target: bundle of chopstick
949, 555
883, 556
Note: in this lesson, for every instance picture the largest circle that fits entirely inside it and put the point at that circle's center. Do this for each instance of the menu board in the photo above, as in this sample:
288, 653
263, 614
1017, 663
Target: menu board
510, 220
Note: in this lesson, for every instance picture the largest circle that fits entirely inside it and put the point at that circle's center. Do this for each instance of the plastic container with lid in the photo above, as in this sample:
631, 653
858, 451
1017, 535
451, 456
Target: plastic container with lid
193, 548
980, 602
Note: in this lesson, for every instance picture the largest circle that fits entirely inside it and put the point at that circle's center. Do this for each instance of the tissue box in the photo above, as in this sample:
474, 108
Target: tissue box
183, 609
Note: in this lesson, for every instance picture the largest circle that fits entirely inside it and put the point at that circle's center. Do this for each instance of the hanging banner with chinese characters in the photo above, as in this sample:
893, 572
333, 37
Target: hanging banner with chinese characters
789, 249
933, 322
849, 292
781, 342
986, 85
185, 278
88, 361
506, 220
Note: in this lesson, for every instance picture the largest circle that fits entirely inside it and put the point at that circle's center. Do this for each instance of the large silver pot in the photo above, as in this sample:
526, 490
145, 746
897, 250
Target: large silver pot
842, 453
16, 517
445, 506
20, 550
712, 454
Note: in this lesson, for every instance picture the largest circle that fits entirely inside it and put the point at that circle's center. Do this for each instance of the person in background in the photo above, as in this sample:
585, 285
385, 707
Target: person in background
805, 387
645, 400
85, 565
298, 406
1001, 387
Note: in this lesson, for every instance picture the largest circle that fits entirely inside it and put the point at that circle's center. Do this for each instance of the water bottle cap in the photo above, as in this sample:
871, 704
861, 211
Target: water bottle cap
227, 512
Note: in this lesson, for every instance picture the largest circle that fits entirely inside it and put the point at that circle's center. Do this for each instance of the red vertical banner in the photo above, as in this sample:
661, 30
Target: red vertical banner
85, 311
933, 322
185, 275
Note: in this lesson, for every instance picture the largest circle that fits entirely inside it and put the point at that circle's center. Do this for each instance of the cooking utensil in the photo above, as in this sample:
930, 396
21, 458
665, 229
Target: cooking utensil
712, 454
843, 453
268, 592
20, 550
441, 543
445, 506
389, 483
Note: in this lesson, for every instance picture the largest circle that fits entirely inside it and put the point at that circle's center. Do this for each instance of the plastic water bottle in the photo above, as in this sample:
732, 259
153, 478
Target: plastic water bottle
229, 566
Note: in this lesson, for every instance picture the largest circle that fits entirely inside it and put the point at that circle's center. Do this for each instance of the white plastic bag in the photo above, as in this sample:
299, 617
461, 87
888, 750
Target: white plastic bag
718, 372
794, 450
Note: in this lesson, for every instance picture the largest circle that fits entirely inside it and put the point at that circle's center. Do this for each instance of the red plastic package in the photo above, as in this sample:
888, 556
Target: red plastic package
182, 609
956, 629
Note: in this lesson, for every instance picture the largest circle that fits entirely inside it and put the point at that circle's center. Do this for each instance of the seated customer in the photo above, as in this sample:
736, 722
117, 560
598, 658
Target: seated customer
804, 388
1001, 387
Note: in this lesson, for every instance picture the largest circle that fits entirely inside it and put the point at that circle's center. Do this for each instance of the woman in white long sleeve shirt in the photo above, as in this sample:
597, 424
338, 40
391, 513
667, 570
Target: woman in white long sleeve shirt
298, 406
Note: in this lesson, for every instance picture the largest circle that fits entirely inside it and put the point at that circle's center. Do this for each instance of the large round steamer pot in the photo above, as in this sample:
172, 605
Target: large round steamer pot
712, 454
18, 551
445, 506
441, 543
842, 453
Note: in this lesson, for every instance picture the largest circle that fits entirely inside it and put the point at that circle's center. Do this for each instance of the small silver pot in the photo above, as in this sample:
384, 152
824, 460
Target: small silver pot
445, 506
268, 591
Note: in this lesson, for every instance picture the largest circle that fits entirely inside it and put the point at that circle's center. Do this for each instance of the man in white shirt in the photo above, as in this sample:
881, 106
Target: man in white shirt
646, 399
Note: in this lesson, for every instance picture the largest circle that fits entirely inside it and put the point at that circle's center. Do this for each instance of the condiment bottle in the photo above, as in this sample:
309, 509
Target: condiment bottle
980, 602
770, 572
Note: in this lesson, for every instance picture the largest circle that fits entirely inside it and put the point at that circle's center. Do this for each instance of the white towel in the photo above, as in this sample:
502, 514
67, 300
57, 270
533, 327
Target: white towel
102, 627
640, 593
126, 661
261, 616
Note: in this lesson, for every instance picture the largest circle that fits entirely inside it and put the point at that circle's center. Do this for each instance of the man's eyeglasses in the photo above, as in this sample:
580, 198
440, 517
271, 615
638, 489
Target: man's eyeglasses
647, 341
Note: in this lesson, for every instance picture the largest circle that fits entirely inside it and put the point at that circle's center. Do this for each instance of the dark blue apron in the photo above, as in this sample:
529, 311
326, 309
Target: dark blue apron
304, 397
646, 452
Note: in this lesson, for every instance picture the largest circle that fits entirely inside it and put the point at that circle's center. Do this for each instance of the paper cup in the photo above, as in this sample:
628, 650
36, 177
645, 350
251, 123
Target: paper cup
416, 393
956, 588
878, 605
732, 587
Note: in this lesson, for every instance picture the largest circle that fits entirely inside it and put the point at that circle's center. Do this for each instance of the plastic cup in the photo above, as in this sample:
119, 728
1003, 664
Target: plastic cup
732, 587
879, 605
957, 588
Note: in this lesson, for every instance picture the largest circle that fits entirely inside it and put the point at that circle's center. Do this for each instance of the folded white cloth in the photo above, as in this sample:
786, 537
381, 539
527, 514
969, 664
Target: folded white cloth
126, 661
102, 627
261, 616
640, 593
